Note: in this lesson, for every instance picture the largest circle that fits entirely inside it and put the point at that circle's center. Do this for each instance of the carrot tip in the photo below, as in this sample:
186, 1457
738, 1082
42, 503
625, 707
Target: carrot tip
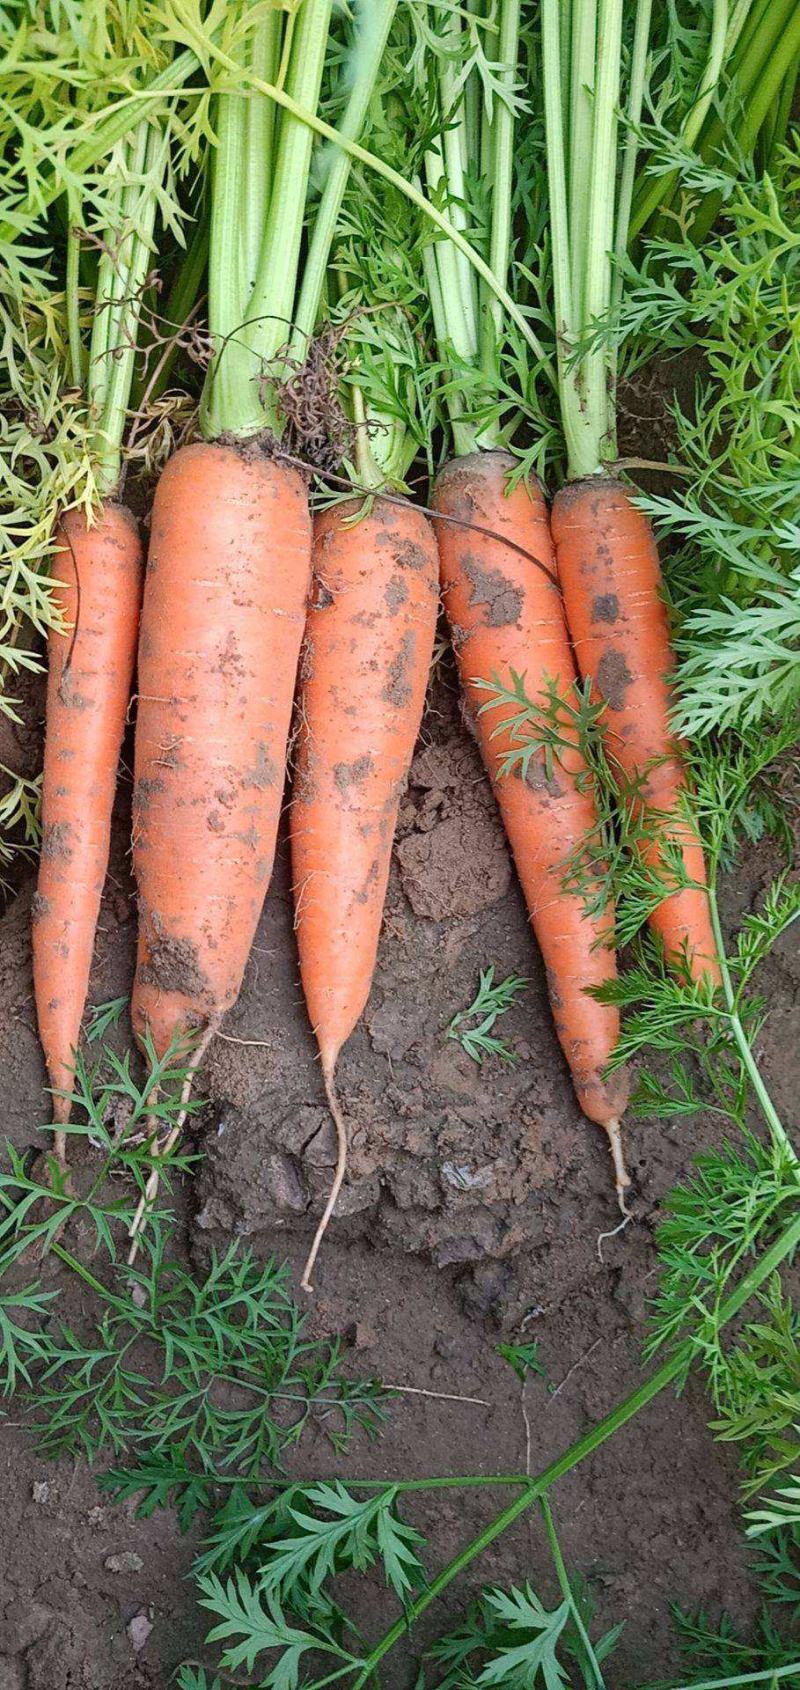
622, 1177
328, 1070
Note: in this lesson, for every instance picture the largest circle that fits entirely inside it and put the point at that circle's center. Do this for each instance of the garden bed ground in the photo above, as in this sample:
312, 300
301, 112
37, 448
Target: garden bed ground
475, 1201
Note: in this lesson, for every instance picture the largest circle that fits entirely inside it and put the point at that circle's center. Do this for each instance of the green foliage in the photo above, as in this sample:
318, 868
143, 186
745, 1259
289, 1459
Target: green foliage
491, 1001
721, 1653
733, 573
524, 1358
191, 1383
194, 1379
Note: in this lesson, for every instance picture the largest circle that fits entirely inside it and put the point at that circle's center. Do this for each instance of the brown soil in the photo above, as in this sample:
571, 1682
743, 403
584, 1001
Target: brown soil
473, 1208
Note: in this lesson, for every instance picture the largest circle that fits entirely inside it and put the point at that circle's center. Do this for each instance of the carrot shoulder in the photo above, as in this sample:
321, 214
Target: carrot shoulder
367, 653
224, 607
610, 576
505, 614
98, 572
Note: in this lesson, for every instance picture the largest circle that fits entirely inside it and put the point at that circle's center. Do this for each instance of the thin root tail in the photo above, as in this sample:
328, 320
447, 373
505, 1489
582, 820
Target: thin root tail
341, 1166
621, 1175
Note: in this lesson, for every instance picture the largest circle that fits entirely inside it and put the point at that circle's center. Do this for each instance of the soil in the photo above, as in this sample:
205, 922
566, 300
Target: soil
473, 1212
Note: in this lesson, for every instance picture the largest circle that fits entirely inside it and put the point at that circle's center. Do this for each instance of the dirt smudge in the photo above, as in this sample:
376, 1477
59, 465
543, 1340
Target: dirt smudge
490, 587
613, 678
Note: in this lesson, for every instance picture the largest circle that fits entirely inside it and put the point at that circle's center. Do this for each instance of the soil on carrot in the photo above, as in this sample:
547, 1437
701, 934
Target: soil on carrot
473, 1214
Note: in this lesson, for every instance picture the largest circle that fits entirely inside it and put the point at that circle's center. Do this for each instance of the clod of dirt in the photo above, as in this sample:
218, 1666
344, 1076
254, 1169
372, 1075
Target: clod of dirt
460, 867
126, 1562
139, 1630
283, 1185
173, 964
320, 1152
11, 1673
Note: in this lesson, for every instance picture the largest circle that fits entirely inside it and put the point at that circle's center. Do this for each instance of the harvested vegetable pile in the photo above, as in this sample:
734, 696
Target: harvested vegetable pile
432, 241
320, 331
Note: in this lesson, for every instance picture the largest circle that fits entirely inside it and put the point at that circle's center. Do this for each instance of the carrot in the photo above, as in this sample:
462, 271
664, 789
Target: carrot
366, 658
610, 577
99, 574
224, 607
505, 614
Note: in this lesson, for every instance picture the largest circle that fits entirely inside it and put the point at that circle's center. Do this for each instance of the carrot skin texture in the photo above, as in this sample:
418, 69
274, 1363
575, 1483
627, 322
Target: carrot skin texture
224, 608
505, 613
367, 653
99, 574
610, 576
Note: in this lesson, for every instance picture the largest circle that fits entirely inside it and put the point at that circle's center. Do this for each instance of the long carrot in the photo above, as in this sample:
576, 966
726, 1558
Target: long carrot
367, 654
610, 577
224, 607
607, 559
505, 614
99, 574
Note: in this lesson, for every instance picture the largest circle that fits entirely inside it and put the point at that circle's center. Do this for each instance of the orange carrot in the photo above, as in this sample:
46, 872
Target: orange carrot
610, 577
367, 654
505, 614
99, 574
224, 608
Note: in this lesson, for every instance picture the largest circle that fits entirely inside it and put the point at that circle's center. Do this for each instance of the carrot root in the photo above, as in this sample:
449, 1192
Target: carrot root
506, 616
328, 1075
610, 575
621, 1175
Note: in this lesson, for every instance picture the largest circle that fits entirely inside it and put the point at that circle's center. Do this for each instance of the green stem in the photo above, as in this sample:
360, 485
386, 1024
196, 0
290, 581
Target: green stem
259, 144
716, 58
454, 151
641, 41
501, 178
581, 108
458, 1565
270, 312
658, 192
765, 1103
381, 15
566, 1591
599, 432
757, 56
770, 1675
73, 302
766, 92
417, 198
241, 181
178, 308
100, 339
779, 119
138, 209
559, 224
169, 85
671, 1370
